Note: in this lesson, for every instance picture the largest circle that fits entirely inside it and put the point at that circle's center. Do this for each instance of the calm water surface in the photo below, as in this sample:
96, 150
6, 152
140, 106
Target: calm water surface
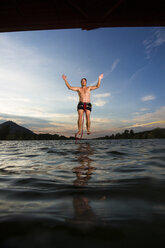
104, 193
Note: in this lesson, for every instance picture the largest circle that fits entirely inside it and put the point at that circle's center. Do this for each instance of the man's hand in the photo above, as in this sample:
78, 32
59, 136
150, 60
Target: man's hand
101, 76
64, 77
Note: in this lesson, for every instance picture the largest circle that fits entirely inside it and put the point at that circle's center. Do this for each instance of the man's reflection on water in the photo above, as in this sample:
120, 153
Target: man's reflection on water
84, 171
84, 217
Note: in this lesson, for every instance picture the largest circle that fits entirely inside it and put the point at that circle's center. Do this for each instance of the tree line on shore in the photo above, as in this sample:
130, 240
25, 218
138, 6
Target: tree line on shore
130, 134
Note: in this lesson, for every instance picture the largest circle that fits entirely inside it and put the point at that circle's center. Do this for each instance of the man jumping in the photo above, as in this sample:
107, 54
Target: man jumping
84, 100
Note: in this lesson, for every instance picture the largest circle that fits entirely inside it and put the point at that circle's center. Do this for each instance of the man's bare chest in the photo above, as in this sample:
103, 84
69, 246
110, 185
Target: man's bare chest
84, 91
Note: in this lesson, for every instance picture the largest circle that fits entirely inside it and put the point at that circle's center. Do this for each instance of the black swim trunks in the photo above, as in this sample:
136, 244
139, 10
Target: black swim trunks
81, 105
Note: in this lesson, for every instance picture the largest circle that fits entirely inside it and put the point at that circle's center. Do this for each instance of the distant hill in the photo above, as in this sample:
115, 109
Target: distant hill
157, 133
9, 130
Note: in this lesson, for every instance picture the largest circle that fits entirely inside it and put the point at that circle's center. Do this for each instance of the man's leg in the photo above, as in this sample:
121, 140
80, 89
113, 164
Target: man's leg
88, 112
80, 116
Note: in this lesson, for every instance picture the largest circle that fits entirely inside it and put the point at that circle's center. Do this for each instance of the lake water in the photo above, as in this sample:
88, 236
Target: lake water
96, 193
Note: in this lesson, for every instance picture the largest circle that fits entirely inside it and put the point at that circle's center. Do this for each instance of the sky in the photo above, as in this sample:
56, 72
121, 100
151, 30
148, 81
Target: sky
131, 95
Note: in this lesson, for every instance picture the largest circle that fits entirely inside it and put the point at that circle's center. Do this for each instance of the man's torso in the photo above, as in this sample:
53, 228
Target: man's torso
84, 94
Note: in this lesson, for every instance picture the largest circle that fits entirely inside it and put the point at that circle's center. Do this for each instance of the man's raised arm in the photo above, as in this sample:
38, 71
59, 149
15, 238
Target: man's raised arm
68, 85
98, 83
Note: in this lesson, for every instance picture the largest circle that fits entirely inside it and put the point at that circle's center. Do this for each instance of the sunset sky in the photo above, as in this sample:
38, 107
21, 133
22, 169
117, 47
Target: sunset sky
132, 92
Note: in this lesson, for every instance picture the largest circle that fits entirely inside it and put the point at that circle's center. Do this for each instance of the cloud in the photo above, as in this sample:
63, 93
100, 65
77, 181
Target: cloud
72, 98
135, 74
156, 40
136, 113
113, 67
158, 115
125, 121
13, 99
101, 120
146, 124
153, 119
36, 111
99, 103
141, 110
144, 109
102, 95
147, 98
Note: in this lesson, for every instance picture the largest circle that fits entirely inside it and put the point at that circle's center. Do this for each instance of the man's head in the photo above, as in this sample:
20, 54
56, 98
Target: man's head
83, 82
